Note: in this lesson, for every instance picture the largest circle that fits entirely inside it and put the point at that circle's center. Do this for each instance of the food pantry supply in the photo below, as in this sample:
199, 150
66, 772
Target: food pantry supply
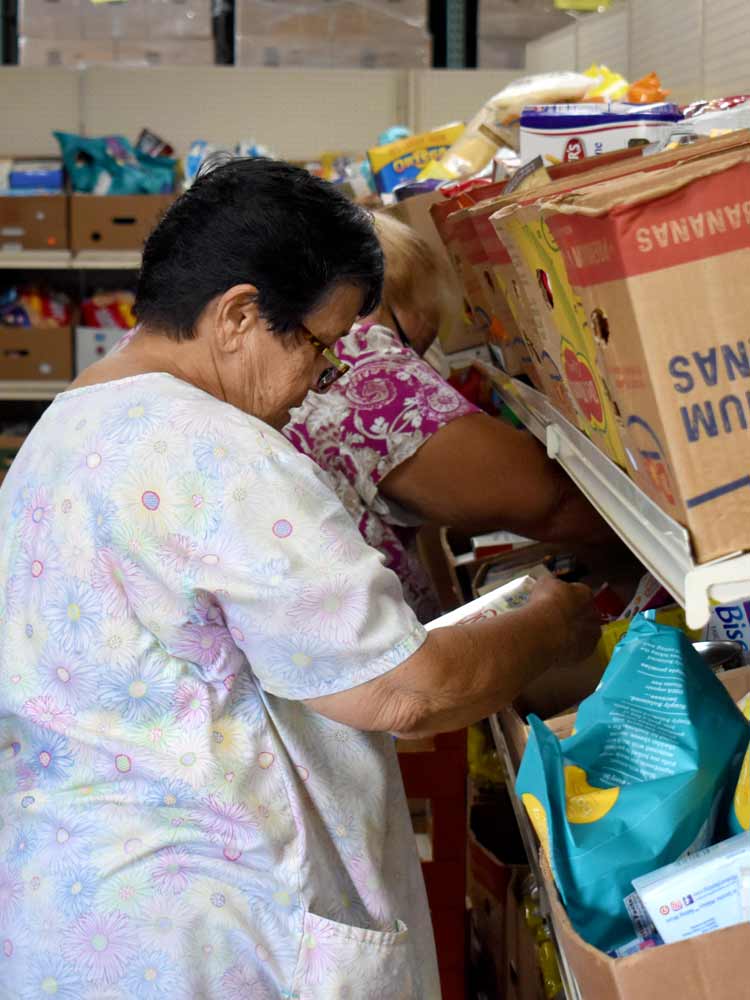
697, 894
639, 783
403, 160
473, 151
560, 133
660, 262
507, 598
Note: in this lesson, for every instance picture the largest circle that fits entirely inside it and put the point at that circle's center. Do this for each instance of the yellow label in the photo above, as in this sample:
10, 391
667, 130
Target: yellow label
583, 802
538, 818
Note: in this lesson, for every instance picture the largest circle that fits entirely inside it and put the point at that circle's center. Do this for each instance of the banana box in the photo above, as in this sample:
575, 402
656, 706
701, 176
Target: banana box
566, 342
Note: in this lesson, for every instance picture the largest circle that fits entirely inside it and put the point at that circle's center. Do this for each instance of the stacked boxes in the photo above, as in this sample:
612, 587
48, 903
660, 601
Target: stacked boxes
132, 32
340, 34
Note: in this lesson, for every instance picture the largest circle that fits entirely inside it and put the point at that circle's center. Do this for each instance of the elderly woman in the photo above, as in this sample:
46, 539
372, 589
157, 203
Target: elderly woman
201, 659
402, 448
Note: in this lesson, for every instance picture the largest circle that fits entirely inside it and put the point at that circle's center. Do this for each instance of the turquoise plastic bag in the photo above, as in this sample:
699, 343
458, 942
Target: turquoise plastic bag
110, 165
639, 784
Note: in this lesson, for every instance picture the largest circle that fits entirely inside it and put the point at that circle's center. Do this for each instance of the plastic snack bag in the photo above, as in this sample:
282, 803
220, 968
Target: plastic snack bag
640, 782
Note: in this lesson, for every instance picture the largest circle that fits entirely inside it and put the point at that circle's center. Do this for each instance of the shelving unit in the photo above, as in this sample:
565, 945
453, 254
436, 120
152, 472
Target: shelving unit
16, 390
64, 260
659, 542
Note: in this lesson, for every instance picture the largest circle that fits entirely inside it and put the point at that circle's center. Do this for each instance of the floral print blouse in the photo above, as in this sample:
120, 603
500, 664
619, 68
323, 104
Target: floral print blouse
364, 427
175, 822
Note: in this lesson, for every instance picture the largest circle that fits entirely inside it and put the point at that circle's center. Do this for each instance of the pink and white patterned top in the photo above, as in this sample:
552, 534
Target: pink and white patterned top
364, 427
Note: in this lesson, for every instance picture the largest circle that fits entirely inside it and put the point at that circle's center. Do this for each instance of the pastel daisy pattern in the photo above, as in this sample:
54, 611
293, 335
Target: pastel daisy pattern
241, 981
50, 758
208, 645
227, 823
40, 569
172, 870
103, 945
177, 552
161, 448
73, 615
192, 704
23, 848
120, 641
127, 891
11, 893
38, 513
118, 582
65, 840
134, 417
67, 678
276, 905
297, 661
214, 456
198, 504
165, 922
51, 975
148, 500
76, 890
138, 692
321, 954
152, 975
102, 513
97, 460
335, 609
191, 758
167, 793
47, 713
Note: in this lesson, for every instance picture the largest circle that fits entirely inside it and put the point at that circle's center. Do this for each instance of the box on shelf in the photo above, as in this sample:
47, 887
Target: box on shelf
703, 968
36, 353
114, 222
457, 333
334, 34
64, 52
92, 343
259, 16
660, 262
33, 222
166, 52
563, 339
138, 19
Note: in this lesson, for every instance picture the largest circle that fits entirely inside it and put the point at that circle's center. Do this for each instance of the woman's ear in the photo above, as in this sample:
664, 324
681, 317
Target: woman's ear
236, 317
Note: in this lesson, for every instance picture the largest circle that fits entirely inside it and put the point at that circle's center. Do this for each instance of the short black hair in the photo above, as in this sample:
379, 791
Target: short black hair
264, 223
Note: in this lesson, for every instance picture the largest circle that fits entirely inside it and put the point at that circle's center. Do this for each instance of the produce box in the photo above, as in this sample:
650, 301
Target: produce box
703, 968
114, 222
33, 222
563, 339
660, 261
36, 353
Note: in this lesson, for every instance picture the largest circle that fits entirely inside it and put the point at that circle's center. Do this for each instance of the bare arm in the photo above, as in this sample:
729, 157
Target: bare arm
466, 672
479, 474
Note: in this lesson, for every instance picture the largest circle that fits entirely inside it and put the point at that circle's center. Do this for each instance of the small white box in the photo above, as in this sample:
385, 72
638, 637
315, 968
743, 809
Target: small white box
93, 343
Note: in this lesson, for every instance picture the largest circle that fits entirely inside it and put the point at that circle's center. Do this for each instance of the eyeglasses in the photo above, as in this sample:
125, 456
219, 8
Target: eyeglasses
330, 375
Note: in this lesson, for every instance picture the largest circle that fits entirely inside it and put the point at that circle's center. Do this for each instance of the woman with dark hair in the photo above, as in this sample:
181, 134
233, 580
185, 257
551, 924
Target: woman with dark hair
201, 660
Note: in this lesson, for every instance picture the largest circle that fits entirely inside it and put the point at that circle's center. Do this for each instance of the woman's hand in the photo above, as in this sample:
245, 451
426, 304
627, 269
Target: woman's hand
569, 610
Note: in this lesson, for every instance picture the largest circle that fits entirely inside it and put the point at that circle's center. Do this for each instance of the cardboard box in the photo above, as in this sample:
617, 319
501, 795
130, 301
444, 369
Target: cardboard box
32, 354
563, 339
35, 222
63, 52
114, 222
166, 52
277, 50
660, 261
51, 19
511, 311
458, 332
92, 343
703, 968
178, 19
110, 21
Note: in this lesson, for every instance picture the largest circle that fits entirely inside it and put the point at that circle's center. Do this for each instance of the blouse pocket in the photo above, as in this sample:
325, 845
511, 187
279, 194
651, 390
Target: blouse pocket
339, 962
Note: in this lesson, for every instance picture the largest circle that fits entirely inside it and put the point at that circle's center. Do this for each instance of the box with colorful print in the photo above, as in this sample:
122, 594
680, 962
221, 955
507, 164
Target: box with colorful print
403, 160
660, 262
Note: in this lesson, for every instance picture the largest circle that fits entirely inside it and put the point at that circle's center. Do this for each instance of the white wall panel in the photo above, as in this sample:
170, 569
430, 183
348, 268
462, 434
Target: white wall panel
606, 40
667, 37
297, 113
726, 47
442, 96
552, 52
33, 102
